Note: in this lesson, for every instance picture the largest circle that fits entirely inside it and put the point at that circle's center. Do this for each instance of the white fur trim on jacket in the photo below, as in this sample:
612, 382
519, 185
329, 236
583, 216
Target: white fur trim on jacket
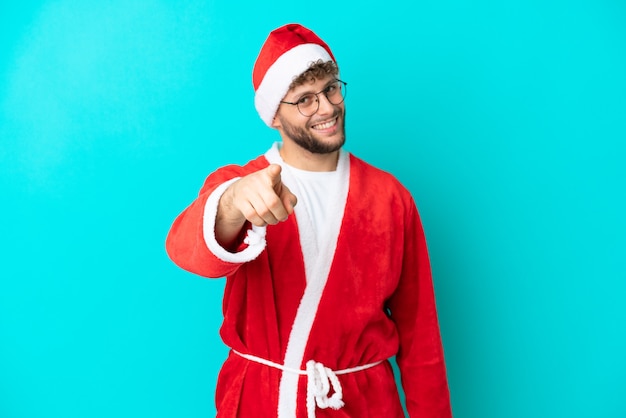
255, 237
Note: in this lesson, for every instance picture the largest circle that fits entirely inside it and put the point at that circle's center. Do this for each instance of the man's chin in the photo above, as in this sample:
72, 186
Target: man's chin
331, 142
327, 147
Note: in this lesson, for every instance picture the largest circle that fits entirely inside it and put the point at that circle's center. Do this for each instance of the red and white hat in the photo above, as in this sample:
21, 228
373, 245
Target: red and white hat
287, 52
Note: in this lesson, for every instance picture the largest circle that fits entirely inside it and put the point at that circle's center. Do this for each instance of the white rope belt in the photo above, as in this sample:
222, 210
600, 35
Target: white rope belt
319, 381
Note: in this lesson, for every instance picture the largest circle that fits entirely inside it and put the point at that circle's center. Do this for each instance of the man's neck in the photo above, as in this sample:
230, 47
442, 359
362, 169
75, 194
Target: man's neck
302, 159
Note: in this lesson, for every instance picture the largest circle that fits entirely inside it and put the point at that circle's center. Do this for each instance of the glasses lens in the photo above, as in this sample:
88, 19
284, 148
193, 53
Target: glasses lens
336, 92
308, 104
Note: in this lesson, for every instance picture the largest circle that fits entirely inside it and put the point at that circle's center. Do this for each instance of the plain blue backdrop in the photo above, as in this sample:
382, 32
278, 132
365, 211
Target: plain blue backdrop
506, 120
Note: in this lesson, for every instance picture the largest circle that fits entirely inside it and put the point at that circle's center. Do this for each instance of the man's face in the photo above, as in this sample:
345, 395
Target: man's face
321, 133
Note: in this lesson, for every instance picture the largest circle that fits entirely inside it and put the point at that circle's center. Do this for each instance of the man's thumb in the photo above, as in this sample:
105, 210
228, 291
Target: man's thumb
289, 199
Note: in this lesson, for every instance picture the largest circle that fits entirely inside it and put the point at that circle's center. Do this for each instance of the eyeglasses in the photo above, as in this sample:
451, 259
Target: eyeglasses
309, 103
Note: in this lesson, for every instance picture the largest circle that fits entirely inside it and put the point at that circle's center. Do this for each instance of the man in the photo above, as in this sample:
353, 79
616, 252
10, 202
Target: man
325, 258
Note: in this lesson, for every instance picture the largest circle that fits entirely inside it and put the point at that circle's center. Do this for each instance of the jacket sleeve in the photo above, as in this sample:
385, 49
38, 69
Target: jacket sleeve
191, 242
420, 356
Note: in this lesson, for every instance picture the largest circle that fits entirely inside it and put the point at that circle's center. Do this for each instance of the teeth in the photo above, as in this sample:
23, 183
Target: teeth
326, 125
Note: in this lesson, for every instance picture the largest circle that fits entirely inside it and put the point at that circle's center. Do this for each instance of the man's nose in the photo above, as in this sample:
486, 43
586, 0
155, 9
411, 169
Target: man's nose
325, 106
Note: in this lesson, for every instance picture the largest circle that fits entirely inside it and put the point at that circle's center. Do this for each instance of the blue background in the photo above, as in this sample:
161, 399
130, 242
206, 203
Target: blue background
506, 120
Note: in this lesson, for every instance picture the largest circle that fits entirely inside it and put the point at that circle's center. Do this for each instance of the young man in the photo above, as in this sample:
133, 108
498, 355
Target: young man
325, 258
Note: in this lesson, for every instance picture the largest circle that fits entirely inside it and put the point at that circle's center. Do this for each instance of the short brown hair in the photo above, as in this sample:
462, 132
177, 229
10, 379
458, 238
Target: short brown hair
318, 69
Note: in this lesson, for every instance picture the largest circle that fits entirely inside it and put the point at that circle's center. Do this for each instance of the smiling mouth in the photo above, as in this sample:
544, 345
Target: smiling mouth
325, 125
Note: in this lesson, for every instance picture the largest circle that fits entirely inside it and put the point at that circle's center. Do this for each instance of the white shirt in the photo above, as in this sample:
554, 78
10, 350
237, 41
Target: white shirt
318, 190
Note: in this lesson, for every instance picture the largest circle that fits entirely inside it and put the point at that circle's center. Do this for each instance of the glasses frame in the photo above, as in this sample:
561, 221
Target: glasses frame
343, 97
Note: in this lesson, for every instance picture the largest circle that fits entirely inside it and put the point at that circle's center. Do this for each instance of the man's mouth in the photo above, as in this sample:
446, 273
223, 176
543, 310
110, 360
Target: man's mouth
325, 125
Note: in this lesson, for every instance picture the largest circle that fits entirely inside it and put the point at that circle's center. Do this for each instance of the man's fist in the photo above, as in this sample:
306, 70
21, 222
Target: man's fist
260, 197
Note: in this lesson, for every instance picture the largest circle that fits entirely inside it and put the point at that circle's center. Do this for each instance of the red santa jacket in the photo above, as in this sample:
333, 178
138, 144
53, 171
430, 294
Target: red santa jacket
375, 300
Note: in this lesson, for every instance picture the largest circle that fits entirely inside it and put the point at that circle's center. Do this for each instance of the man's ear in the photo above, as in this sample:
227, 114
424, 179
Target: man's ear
275, 122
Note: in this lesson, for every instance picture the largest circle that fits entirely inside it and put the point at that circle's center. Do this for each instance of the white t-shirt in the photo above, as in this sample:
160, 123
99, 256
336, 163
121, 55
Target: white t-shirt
318, 191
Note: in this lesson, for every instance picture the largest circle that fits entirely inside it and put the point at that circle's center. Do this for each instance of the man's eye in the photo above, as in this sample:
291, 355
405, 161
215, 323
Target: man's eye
331, 89
306, 100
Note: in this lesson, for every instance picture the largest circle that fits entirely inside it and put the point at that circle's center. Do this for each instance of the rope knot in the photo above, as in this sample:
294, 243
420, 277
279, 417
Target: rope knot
320, 381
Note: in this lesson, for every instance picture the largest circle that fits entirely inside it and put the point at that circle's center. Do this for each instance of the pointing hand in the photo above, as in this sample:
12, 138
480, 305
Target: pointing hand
260, 197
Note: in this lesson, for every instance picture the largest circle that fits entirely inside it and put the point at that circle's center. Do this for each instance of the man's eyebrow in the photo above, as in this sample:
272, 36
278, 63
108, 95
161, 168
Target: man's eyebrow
299, 95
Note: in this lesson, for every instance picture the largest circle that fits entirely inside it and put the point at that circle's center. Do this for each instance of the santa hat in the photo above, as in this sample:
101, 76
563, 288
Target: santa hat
287, 53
